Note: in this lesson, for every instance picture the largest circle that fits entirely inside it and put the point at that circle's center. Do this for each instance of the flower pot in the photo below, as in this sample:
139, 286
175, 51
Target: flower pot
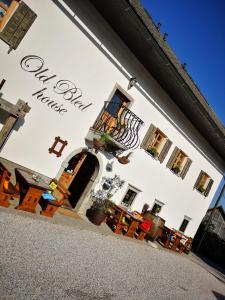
98, 144
176, 170
123, 160
153, 152
95, 216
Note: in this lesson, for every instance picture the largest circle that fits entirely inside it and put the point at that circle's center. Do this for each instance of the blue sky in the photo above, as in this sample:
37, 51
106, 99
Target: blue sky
197, 36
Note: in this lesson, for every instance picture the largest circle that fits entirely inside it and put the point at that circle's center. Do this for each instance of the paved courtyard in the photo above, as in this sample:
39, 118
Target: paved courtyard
40, 259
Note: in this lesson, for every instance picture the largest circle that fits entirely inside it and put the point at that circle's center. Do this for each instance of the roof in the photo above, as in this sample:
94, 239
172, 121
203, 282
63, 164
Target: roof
148, 45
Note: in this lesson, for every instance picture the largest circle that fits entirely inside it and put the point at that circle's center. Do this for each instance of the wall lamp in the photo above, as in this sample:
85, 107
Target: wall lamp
132, 82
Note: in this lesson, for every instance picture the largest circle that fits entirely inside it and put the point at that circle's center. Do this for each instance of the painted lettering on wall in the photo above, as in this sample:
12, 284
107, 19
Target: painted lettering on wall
67, 89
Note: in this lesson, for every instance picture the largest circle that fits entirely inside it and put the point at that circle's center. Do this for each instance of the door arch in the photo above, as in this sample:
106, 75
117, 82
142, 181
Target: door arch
80, 173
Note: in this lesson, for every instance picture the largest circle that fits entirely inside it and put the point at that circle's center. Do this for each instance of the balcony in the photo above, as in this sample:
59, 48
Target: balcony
119, 125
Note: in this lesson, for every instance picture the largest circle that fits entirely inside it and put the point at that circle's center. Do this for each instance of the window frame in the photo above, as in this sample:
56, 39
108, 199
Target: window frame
186, 218
205, 187
148, 143
184, 163
180, 163
159, 148
133, 189
159, 203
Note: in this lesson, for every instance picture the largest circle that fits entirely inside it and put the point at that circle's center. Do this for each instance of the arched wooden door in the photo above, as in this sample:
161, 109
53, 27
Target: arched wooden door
77, 176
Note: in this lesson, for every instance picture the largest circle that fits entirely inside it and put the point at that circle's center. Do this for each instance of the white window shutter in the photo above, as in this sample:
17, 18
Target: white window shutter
198, 179
148, 137
165, 150
208, 187
172, 157
186, 168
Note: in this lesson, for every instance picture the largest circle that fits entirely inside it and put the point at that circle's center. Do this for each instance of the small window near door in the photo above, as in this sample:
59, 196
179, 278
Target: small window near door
129, 197
157, 207
184, 224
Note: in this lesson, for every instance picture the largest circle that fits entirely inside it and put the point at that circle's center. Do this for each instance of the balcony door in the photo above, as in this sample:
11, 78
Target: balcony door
111, 117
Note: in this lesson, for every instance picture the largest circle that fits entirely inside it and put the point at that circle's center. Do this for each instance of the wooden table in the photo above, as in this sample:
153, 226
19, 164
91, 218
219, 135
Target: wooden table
134, 221
30, 190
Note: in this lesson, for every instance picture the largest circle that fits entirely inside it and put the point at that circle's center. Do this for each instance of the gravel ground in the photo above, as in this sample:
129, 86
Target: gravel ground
43, 260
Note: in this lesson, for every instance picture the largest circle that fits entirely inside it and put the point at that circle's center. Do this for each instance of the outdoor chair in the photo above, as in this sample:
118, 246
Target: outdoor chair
7, 189
55, 200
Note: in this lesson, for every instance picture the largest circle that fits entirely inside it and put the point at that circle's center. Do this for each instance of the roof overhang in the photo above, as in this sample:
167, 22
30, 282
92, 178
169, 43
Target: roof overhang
136, 28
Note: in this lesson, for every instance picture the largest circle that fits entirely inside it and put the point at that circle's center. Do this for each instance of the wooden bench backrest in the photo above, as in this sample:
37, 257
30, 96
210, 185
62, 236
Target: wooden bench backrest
4, 176
60, 192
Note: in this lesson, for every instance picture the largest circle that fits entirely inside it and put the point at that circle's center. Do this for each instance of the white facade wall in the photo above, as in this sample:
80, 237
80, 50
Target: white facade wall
70, 54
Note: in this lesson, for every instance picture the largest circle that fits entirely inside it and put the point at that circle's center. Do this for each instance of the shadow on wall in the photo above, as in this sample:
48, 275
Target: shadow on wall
218, 296
3, 116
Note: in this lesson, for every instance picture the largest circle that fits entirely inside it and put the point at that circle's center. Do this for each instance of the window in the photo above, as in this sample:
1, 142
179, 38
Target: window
156, 143
15, 20
5, 9
130, 196
184, 224
157, 207
203, 183
179, 163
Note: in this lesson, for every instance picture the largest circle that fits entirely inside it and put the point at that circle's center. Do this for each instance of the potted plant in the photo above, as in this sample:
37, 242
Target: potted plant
153, 152
176, 169
97, 212
101, 202
124, 159
201, 189
99, 143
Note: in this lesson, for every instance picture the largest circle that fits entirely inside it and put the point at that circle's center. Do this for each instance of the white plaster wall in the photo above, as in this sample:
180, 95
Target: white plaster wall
71, 55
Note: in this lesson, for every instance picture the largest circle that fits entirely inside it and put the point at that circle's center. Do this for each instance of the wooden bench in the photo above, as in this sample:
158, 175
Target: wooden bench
185, 247
49, 208
116, 221
171, 240
7, 189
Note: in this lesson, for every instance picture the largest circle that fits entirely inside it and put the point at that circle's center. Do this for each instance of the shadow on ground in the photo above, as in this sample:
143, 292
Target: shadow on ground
218, 296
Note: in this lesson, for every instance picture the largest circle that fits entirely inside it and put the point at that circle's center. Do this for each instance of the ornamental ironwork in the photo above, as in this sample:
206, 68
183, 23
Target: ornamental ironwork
120, 123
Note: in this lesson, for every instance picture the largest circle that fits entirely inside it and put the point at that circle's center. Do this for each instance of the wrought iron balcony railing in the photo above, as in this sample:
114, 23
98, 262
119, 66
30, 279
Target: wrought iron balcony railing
120, 123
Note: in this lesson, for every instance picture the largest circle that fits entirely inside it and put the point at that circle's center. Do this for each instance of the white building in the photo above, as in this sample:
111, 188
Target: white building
75, 56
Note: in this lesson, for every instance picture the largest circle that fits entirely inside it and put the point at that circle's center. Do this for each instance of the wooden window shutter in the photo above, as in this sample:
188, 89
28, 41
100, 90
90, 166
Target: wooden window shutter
186, 168
208, 187
17, 26
148, 137
198, 179
165, 150
172, 157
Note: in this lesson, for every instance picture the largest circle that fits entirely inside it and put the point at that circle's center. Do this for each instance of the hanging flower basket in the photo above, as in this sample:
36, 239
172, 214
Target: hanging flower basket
123, 160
